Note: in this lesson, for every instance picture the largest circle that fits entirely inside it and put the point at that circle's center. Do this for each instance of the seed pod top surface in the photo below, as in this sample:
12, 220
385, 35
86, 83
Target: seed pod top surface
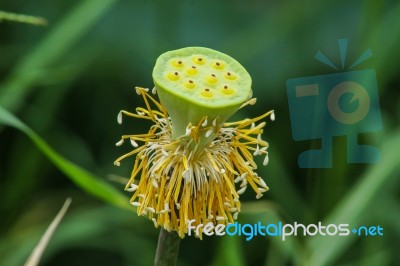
203, 77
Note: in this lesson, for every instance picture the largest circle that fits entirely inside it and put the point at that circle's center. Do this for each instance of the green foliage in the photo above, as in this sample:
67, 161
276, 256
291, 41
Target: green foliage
81, 177
67, 81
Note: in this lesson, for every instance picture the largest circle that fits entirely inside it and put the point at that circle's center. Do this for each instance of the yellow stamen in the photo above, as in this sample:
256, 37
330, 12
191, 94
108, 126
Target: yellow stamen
178, 183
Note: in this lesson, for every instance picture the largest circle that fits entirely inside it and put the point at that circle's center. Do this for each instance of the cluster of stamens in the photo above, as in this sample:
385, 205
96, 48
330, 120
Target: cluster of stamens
178, 183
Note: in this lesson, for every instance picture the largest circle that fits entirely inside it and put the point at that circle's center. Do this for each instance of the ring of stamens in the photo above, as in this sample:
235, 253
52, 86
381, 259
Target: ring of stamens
176, 184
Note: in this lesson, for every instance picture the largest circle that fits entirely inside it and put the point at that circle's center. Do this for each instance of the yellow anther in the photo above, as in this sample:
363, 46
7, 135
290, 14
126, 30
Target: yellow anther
227, 90
199, 60
207, 93
230, 76
190, 84
177, 63
218, 65
173, 76
191, 71
211, 79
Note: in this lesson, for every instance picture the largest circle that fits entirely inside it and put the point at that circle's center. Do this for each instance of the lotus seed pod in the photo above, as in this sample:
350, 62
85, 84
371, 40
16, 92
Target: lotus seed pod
196, 82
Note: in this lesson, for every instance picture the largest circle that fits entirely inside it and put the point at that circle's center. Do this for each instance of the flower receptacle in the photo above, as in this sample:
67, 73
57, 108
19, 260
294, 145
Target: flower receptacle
197, 82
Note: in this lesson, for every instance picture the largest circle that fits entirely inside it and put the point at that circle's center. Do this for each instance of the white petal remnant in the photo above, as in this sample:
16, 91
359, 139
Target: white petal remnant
154, 222
119, 143
134, 143
214, 122
266, 160
132, 188
272, 116
119, 118
242, 190
150, 209
178, 182
204, 124
209, 132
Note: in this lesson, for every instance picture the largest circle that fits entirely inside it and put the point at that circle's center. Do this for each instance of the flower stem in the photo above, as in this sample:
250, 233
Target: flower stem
167, 248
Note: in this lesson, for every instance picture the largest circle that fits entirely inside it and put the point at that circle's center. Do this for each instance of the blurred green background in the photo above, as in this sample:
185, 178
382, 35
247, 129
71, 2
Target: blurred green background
68, 80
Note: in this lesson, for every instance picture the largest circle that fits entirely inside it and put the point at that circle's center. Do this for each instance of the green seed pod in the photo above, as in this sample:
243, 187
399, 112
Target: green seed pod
196, 82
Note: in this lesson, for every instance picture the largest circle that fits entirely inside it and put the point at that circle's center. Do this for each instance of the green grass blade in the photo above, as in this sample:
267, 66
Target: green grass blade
39, 249
54, 45
357, 203
81, 177
230, 252
21, 18
270, 213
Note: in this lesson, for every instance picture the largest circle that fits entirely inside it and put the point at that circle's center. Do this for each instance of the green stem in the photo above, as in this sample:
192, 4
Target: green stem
167, 248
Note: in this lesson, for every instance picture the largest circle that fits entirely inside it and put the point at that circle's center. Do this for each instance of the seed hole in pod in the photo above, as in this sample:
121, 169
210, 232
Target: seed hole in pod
177, 63
217, 65
230, 76
211, 79
191, 71
190, 84
199, 60
173, 76
207, 93
227, 90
